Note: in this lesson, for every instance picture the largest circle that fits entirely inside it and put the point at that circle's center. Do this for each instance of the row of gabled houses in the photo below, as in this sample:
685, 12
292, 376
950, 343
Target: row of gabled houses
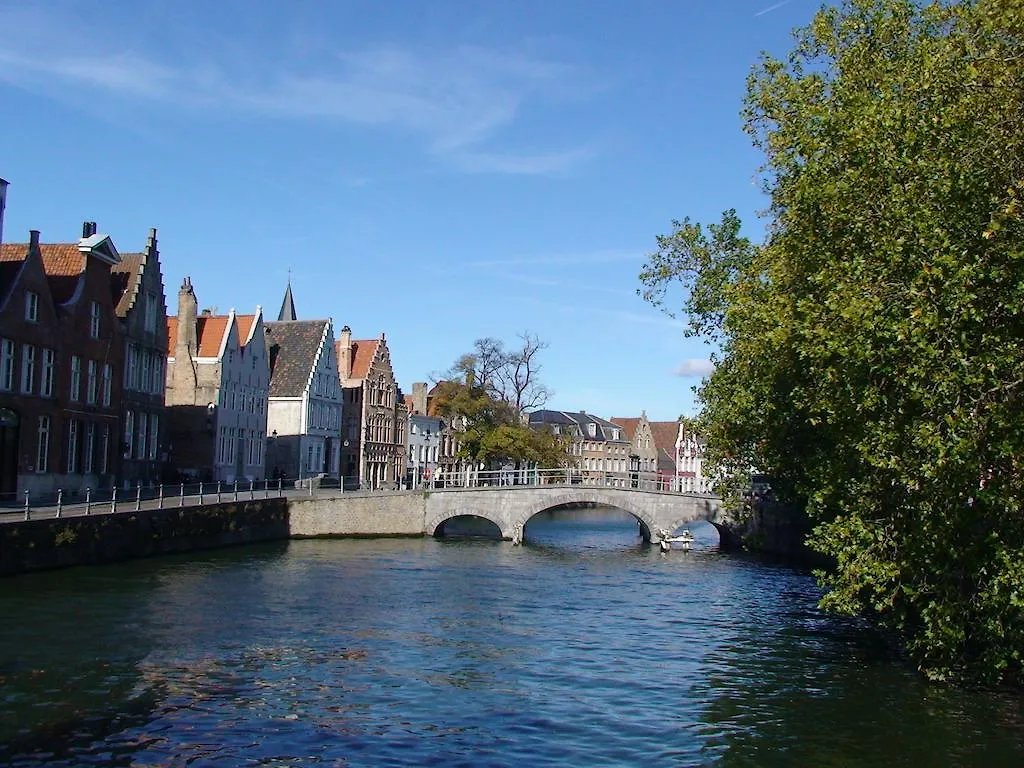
635, 450
101, 388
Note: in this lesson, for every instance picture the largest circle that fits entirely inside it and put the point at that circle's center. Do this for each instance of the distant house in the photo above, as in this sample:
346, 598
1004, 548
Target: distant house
304, 416
426, 435
643, 456
680, 457
138, 288
600, 447
218, 377
375, 418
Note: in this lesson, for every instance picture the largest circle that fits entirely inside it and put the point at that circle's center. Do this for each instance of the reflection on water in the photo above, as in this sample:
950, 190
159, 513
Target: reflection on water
582, 647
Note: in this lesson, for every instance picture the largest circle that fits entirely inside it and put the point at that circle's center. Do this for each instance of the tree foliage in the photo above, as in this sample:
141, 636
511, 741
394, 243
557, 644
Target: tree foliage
486, 392
872, 348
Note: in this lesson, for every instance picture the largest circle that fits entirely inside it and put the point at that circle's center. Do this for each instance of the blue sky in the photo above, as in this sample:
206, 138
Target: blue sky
435, 171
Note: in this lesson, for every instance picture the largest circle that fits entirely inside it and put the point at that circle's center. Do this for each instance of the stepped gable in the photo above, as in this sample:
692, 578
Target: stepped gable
628, 424
294, 348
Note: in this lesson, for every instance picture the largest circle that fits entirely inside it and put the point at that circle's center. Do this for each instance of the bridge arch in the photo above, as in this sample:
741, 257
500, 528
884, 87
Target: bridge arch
574, 497
440, 528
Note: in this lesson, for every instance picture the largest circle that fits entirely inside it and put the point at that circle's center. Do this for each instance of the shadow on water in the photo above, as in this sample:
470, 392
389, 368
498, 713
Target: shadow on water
73, 645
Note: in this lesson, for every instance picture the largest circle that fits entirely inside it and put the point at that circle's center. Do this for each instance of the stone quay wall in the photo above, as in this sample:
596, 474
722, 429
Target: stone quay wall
32, 545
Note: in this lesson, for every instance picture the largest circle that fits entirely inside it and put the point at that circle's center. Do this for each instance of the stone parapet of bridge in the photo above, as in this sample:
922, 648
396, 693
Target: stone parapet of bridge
509, 508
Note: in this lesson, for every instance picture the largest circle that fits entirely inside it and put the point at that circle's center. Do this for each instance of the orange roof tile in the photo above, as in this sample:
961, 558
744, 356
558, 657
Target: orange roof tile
172, 333
59, 259
245, 323
210, 333
363, 352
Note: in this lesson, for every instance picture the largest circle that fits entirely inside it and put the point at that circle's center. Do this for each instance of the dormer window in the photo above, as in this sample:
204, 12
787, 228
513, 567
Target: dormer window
94, 319
592, 429
32, 306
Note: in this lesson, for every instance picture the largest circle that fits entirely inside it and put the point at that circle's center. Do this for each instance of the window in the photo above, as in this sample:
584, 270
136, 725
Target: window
150, 313
154, 431
43, 445
28, 369
259, 448
140, 449
104, 450
72, 447
146, 382
6, 364
106, 385
90, 448
76, 378
231, 445
129, 433
32, 306
90, 382
46, 390
131, 370
94, 319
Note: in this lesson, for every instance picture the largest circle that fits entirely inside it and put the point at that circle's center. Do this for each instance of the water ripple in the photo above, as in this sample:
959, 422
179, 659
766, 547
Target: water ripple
583, 647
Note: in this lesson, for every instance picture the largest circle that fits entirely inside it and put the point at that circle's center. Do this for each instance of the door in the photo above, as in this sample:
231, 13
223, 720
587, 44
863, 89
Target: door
8, 454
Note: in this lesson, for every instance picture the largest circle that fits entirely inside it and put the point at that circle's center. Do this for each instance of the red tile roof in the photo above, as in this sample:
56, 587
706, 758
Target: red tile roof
245, 324
363, 352
628, 424
665, 434
210, 331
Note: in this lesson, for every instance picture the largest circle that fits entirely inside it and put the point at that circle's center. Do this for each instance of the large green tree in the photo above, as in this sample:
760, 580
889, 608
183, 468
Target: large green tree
871, 349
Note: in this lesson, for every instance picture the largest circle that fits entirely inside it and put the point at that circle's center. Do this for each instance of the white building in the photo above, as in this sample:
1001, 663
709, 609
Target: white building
218, 377
304, 414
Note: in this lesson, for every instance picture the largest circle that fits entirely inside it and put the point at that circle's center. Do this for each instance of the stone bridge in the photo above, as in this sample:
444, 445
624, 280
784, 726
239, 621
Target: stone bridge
511, 507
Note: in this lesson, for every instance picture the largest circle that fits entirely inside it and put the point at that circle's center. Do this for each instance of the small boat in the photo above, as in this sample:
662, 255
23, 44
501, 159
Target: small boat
684, 539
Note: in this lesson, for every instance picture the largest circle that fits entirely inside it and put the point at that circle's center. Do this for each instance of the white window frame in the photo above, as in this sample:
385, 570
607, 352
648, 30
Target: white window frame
94, 319
88, 458
31, 307
140, 449
105, 452
72, 462
154, 433
129, 433
28, 369
75, 388
49, 371
90, 382
107, 375
8, 349
43, 445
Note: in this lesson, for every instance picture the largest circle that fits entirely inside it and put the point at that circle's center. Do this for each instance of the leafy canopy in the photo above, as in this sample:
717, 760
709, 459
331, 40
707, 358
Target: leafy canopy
871, 350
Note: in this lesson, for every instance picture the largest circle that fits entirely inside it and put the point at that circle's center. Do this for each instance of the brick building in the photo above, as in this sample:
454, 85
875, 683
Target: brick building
61, 355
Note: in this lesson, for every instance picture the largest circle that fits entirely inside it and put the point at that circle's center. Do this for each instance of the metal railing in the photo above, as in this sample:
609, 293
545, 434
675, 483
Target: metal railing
90, 501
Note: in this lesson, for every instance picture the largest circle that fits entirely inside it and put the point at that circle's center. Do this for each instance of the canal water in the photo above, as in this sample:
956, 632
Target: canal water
583, 647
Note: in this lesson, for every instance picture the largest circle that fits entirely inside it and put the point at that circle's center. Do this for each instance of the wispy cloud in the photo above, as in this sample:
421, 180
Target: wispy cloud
462, 102
773, 7
694, 367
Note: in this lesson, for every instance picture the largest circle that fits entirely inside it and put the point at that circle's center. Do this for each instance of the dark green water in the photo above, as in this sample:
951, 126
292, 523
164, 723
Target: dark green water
581, 648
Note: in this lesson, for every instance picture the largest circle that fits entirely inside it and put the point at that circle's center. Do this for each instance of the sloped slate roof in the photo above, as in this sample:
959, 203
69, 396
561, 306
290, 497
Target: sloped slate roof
293, 351
288, 305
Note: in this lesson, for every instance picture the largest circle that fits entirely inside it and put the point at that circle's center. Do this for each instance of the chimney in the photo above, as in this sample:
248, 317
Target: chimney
186, 345
33, 239
3, 204
345, 356
419, 397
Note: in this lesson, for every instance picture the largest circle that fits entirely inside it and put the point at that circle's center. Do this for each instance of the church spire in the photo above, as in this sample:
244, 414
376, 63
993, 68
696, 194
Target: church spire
288, 305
